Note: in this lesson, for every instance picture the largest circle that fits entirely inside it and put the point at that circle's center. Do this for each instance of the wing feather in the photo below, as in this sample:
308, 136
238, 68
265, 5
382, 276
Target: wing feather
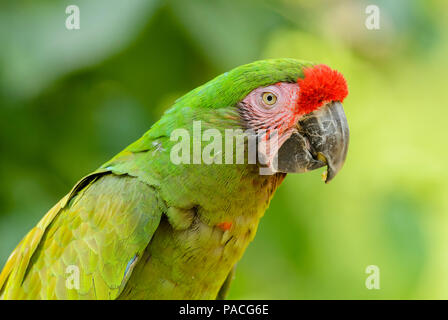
85, 247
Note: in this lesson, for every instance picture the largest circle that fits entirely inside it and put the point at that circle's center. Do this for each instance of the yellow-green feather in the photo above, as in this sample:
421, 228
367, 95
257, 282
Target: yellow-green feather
143, 228
99, 231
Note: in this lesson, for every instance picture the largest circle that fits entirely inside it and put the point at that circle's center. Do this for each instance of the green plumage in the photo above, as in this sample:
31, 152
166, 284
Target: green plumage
141, 227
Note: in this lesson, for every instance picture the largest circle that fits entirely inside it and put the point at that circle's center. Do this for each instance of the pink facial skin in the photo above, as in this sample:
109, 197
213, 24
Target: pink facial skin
280, 117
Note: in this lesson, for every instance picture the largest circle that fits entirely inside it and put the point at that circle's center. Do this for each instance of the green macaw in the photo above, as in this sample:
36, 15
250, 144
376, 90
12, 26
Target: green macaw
148, 226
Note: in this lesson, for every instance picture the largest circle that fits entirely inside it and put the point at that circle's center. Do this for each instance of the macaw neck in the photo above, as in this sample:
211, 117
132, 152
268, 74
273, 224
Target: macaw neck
219, 192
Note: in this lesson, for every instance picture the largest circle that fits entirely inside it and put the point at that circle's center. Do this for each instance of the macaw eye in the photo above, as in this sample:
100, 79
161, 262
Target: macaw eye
269, 98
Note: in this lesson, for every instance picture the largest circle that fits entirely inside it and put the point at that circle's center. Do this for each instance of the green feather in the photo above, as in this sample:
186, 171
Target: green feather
143, 228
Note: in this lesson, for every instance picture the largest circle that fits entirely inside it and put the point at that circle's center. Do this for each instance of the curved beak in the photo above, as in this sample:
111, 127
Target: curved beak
322, 138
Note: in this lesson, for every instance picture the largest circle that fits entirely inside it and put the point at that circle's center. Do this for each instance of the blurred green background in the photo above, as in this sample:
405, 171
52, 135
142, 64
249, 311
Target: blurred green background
70, 100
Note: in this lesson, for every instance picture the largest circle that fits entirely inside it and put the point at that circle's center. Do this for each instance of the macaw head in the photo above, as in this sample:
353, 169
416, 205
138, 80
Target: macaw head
297, 103
307, 117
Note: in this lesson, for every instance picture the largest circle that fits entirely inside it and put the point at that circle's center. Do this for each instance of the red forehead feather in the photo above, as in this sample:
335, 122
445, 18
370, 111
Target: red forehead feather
320, 84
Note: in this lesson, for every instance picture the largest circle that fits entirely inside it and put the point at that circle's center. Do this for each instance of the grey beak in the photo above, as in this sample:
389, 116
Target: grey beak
322, 138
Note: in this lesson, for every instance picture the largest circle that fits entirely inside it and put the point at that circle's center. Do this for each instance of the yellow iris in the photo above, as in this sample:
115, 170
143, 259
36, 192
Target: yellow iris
269, 98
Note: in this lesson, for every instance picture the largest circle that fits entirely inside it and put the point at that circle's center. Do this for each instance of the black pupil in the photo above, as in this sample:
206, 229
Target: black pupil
269, 97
